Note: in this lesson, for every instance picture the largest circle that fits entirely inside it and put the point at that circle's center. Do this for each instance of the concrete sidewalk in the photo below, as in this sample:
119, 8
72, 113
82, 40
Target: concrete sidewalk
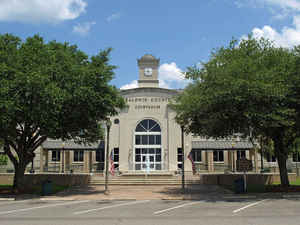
141, 192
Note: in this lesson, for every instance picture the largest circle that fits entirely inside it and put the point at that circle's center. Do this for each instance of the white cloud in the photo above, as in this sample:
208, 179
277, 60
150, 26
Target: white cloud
280, 9
83, 28
133, 84
288, 36
283, 4
36, 11
114, 16
169, 76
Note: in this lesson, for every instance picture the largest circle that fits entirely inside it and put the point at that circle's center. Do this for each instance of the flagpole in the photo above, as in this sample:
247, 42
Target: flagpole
183, 158
108, 125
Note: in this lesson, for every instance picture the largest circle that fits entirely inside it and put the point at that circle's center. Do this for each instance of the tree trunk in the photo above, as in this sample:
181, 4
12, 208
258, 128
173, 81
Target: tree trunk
284, 178
19, 182
281, 155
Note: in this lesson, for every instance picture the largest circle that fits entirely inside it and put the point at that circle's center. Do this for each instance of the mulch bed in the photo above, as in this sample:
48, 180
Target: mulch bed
278, 188
8, 191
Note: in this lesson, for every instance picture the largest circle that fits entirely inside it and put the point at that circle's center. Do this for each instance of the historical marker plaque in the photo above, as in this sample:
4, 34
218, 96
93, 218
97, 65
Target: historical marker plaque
244, 165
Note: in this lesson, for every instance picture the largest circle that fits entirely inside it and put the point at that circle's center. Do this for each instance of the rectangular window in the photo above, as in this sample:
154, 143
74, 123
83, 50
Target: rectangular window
296, 157
270, 157
241, 154
100, 159
179, 158
218, 156
145, 140
100, 155
55, 156
116, 157
196, 154
137, 139
78, 156
151, 139
157, 139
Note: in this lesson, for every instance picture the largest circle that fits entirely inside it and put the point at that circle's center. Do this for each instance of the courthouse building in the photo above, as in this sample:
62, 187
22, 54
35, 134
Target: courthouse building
145, 138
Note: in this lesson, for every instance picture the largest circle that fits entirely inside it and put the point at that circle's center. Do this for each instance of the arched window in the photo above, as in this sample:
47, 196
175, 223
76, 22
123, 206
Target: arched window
148, 146
148, 126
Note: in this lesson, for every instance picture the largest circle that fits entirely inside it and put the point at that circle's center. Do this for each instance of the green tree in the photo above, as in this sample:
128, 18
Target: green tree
247, 87
3, 159
51, 90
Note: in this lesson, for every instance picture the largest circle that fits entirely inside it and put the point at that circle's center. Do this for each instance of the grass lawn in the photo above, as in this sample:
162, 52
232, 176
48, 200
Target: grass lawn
259, 188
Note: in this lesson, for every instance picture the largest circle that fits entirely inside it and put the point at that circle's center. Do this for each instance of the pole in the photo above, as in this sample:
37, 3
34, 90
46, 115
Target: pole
183, 158
245, 182
261, 156
63, 158
108, 124
32, 167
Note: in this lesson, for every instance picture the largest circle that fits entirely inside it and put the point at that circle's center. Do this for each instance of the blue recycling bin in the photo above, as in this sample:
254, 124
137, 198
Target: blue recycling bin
47, 187
239, 186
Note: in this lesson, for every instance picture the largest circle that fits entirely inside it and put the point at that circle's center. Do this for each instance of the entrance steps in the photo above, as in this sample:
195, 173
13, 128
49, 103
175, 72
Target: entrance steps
144, 179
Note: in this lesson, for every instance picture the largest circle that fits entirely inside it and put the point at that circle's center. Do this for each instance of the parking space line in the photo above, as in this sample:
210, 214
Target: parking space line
14, 201
250, 205
41, 207
176, 207
111, 206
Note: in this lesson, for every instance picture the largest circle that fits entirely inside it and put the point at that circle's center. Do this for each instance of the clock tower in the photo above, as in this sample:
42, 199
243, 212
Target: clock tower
148, 71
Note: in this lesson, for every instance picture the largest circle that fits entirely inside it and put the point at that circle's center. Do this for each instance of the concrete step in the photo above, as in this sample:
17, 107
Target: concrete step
143, 183
174, 181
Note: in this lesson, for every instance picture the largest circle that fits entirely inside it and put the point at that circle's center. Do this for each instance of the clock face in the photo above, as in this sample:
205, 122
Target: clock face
148, 71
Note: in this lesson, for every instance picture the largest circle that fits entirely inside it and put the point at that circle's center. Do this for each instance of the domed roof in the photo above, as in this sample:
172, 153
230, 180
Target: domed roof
148, 57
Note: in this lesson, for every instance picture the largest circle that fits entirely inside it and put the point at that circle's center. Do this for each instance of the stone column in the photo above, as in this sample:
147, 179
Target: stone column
61, 162
41, 160
165, 159
85, 162
90, 159
210, 157
229, 159
131, 164
234, 160
256, 160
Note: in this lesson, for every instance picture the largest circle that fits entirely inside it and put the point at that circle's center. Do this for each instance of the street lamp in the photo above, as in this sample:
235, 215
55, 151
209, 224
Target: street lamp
261, 155
32, 166
108, 125
63, 157
182, 147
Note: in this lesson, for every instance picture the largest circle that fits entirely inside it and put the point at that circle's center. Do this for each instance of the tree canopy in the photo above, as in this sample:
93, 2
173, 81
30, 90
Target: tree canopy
248, 87
51, 90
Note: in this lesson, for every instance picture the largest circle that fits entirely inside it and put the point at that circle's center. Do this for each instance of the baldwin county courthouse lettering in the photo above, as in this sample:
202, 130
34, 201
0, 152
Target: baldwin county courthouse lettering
144, 138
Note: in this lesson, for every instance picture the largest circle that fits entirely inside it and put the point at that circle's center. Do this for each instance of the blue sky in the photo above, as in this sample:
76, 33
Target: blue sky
180, 33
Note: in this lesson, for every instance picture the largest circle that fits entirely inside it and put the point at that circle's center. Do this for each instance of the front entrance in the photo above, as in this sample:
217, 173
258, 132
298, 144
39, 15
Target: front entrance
148, 159
148, 162
148, 146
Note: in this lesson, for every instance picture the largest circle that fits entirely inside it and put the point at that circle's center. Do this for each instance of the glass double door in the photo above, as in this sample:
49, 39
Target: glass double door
148, 162
148, 159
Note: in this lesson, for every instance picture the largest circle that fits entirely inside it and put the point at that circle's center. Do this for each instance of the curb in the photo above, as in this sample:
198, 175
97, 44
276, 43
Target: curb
7, 199
57, 199
240, 196
291, 196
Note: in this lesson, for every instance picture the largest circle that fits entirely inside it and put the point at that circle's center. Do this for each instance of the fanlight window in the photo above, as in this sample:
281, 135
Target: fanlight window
148, 126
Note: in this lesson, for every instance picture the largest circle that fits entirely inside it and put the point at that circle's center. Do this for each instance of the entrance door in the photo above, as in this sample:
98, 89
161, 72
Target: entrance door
147, 146
148, 162
148, 159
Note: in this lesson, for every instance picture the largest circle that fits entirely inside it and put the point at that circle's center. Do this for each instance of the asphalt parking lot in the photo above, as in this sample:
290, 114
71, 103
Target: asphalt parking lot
151, 212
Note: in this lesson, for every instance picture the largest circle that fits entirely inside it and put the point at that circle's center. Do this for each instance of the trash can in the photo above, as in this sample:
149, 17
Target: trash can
47, 187
239, 186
